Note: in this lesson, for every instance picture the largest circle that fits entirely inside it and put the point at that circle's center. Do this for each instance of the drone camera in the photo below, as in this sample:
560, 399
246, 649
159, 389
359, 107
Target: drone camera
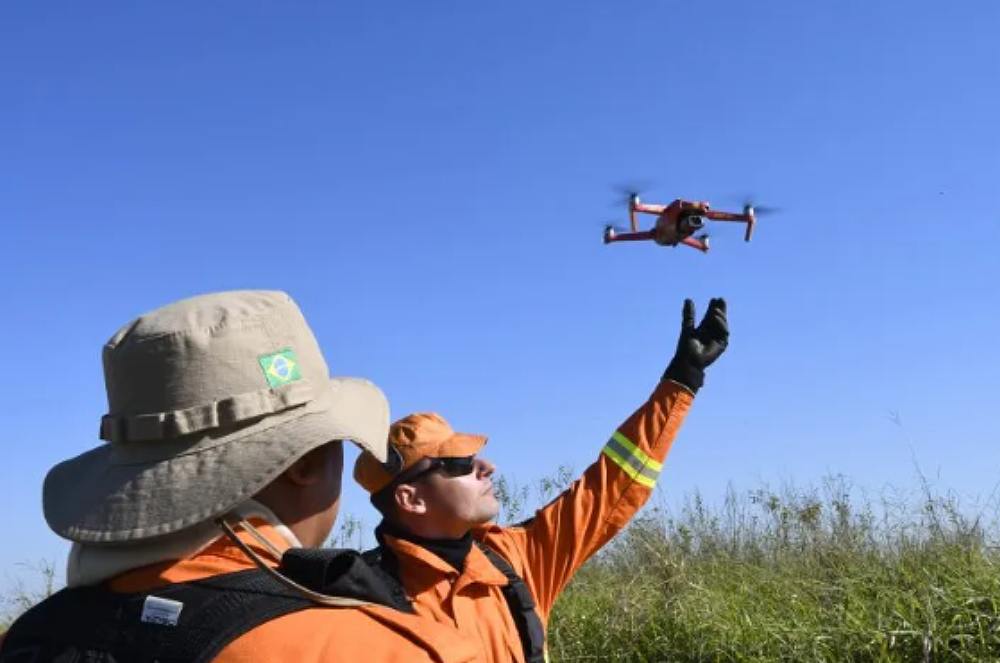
689, 224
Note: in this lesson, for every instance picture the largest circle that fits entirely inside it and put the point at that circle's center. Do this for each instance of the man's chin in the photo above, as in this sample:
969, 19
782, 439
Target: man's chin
490, 514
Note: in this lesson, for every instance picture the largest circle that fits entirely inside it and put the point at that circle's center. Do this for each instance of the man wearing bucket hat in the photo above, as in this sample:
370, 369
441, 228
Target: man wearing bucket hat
497, 584
194, 527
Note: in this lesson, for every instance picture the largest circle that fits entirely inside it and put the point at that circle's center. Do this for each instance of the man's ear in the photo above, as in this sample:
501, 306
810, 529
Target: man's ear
409, 500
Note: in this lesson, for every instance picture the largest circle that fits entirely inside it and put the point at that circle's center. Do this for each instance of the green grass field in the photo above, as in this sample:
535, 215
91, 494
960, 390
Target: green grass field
792, 575
796, 576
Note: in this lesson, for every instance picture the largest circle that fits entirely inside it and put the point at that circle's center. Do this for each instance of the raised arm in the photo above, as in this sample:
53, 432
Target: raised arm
551, 546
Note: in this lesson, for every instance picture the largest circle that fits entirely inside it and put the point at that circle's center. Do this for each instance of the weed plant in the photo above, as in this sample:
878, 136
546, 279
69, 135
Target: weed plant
790, 575
19, 596
769, 575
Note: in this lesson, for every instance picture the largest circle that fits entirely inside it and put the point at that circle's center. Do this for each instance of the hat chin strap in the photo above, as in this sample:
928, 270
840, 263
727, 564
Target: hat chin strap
315, 597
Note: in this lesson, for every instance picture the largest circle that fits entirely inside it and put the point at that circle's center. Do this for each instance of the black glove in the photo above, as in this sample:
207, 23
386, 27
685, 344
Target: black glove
698, 346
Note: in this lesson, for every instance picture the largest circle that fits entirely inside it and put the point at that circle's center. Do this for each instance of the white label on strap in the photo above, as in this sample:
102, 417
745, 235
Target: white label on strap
161, 611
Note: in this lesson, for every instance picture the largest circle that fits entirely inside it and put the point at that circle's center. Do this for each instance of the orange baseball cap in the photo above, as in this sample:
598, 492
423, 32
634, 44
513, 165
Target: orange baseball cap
416, 436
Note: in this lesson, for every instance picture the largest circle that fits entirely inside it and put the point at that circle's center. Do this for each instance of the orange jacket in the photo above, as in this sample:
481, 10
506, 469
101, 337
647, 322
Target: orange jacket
547, 550
369, 633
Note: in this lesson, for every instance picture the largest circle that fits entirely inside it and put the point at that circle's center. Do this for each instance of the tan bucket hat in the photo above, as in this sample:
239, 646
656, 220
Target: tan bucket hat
209, 399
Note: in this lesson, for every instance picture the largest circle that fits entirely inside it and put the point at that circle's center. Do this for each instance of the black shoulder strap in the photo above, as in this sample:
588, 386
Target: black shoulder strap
184, 623
346, 573
383, 562
520, 602
522, 607
188, 622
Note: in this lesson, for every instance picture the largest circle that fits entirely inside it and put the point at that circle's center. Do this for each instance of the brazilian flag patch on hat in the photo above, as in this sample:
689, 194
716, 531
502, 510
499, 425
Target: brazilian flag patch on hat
280, 367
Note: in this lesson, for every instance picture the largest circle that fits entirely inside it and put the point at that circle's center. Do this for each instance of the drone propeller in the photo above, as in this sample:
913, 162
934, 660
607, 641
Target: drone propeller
625, 192
748, 201
633, 187
764, 209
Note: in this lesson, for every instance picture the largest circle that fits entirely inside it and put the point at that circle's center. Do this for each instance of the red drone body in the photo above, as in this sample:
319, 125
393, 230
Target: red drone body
677, 223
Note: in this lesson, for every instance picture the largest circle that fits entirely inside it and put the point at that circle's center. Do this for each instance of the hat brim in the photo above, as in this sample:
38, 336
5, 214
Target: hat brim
462, 444
139, 490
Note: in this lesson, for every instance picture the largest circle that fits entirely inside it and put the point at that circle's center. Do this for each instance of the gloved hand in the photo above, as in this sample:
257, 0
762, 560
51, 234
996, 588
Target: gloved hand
698, 346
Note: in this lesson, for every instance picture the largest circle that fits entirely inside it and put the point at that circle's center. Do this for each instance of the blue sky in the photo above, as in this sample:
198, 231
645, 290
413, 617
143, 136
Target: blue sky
429, 181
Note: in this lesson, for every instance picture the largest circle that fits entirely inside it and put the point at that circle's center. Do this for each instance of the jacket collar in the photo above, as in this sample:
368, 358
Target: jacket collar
90, 564
452, 551
477, 569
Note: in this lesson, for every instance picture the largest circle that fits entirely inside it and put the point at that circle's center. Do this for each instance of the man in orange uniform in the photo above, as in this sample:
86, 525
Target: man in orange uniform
194, 527
497, 584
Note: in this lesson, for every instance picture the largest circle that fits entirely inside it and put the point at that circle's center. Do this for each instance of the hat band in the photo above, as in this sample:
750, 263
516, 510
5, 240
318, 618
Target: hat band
225, 412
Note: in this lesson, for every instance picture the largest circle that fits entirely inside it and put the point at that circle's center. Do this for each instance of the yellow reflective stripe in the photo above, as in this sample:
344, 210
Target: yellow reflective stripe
630, 458
642, 456
628, 469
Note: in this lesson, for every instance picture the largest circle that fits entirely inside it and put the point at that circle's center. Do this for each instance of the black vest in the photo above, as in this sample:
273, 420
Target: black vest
192, 622
520, 602
187, 622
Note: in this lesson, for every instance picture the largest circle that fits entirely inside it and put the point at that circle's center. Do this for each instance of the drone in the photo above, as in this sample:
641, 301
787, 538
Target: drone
678, 222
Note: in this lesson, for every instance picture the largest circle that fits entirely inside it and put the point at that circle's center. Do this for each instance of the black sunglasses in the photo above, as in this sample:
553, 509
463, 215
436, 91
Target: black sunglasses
451, 466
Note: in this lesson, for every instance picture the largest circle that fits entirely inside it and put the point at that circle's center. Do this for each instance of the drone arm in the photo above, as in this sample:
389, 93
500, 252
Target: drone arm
640, 236
748, 217
646, 208
725, 216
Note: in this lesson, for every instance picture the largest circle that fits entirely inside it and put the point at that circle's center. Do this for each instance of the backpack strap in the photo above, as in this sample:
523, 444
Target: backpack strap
183, 623
346, 573
187, 622
383, 561
520, 602
522, 607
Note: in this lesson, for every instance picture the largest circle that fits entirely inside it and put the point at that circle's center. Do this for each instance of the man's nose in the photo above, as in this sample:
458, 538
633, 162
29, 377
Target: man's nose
484, 468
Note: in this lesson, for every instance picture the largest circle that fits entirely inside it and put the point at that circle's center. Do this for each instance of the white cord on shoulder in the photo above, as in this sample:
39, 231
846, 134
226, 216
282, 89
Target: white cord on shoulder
261, 539
315, 597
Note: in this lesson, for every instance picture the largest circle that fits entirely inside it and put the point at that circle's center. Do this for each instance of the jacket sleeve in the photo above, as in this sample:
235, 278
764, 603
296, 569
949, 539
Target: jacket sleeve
548, 549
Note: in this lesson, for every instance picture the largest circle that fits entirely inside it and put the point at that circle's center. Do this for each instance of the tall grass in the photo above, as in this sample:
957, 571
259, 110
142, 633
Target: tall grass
790, 575
19, 596
823, 574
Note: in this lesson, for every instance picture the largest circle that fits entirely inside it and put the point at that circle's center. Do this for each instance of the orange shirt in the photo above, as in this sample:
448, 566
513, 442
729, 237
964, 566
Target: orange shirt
547, 550
369, 633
